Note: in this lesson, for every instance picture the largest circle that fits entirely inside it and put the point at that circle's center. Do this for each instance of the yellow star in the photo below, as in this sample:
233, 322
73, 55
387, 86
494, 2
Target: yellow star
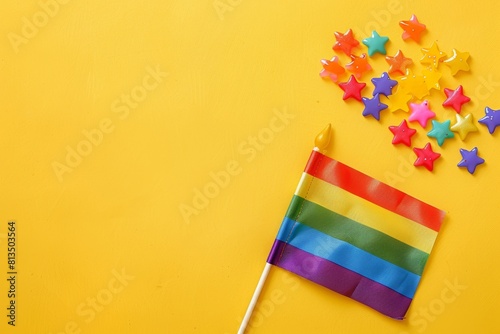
432, 56
431, 78
413, 84
457, 61
463, 126
399, 101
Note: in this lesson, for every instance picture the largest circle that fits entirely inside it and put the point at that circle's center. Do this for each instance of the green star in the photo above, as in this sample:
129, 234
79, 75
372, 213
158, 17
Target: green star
376, 43
441, 131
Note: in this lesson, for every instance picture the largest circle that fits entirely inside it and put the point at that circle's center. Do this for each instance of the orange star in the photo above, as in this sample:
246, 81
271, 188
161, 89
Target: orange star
412, 29
345, 42
331, 69
398, 63
358, 65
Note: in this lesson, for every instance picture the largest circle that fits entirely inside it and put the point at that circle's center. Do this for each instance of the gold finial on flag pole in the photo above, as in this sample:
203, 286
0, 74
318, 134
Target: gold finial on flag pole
323, 139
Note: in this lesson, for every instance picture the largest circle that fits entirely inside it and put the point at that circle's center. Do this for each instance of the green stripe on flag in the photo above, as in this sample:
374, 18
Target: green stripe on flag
357, 234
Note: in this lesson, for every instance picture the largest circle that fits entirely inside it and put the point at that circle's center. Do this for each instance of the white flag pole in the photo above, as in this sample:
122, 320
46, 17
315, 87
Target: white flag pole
254, 299
321, 142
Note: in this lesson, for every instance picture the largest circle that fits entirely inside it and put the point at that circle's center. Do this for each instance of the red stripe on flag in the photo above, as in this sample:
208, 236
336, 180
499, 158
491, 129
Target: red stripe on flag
379, 193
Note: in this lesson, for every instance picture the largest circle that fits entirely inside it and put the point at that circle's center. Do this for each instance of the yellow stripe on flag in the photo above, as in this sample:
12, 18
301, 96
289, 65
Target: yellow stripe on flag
365, 212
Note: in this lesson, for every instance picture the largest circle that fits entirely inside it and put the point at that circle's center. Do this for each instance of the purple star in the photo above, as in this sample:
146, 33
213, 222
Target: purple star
383, 85
470, 159
491, 119
373, 106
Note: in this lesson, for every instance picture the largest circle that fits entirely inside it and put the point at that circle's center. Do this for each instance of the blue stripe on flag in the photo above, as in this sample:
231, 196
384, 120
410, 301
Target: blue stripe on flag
348, 256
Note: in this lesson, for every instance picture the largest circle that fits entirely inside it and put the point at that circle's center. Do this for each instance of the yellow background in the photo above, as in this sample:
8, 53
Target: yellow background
111, 229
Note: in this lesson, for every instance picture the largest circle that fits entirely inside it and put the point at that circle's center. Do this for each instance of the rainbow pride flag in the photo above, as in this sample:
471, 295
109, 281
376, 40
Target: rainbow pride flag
356, 235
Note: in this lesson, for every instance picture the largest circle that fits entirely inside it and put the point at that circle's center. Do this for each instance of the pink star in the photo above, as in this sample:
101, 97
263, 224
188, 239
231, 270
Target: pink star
421, 113
455, 98
402, 133
352, 88
425, 156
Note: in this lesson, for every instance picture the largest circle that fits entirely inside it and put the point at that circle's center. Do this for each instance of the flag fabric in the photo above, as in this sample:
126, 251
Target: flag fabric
356, 235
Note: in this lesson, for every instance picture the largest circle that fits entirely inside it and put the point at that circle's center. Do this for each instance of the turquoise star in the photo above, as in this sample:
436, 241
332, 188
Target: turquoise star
441, 131
376, 43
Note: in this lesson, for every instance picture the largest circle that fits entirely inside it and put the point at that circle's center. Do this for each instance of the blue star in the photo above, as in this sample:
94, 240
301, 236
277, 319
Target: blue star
383, 85
491, 119
373, 106
376, 43
470, 159
441, 131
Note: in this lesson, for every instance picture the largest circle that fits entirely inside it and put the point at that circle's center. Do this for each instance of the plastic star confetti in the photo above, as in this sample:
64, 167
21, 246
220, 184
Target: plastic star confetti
399, 101
412, 29
358, 65
470, 159
398, 63
421, 113
373, 107
383, 85
491, 119
455, 98
331, 69
413, 84
441, 131
431, 78
352, 88
345, 42
463, 126
432, 56
376, 43
402, 133
426, 156
457, 61
410, 88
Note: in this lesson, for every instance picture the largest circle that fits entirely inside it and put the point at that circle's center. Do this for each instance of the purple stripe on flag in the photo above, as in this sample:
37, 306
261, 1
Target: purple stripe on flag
339, 279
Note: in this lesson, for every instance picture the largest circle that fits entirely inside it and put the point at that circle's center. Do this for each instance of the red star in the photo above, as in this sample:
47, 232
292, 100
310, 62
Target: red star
402, 133
425, 156
455, 98
358, 65
352, 88
345, 42
398, 63
331, 69
412, 29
